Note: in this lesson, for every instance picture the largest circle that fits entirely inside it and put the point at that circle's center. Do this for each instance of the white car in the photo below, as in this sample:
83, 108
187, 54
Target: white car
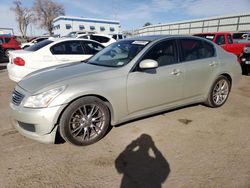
105, 40
48, 53
32, 42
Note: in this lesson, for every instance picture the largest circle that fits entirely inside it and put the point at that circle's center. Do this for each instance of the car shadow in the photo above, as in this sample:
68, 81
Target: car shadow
140, 167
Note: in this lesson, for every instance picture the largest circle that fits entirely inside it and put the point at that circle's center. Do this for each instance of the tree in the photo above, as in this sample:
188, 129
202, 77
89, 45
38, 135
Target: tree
147, 24
23, 17
45, 11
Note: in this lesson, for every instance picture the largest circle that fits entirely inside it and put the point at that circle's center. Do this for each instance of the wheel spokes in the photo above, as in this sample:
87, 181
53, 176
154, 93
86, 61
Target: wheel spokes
87, 122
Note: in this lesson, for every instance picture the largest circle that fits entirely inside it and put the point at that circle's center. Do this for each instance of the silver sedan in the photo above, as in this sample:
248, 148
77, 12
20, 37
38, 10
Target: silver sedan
129, 79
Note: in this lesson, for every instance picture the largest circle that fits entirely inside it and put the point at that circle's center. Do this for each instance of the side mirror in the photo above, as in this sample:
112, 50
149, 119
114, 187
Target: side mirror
148, 64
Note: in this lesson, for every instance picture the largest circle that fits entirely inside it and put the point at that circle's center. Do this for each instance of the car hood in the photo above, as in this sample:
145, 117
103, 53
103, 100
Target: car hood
59, 75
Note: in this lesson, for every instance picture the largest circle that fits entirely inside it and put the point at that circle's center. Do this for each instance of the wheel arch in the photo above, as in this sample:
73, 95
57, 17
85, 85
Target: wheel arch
104, 99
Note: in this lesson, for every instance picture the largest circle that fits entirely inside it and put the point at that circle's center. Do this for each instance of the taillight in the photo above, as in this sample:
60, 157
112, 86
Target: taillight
19, 61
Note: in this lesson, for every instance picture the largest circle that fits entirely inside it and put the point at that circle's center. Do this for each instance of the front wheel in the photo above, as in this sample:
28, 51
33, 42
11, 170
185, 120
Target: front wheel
219, 92
85, 121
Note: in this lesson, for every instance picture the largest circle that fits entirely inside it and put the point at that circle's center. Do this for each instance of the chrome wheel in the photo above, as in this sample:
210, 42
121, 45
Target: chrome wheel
220, 92
84, 121
87, 122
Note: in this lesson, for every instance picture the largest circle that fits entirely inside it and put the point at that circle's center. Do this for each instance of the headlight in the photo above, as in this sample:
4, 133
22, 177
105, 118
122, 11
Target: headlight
42, 100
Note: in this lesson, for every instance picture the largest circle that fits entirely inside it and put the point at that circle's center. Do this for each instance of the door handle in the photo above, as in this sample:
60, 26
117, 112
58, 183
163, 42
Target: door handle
213, 64
176, 72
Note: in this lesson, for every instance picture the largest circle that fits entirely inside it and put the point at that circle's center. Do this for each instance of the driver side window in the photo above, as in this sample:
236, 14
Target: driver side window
164, 53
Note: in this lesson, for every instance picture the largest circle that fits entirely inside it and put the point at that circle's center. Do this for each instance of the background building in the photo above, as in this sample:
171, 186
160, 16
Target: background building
231, 23
63, 25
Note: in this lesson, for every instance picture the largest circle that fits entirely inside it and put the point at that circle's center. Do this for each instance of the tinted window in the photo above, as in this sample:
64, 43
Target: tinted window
39, 45
220, 40
196, 49
100, 39
68, 47
41, 39
238, 35
84, 37
4, 40
229, 39
164, 53
92, 47
7, 39
114, 37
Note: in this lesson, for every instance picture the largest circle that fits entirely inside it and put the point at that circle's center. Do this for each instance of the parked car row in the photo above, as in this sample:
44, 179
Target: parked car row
128, 79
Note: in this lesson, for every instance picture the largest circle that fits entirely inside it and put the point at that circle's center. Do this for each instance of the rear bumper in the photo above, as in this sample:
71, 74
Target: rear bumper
17, 73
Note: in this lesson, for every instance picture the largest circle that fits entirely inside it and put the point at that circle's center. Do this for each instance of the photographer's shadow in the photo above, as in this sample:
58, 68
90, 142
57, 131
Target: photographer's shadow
139, 168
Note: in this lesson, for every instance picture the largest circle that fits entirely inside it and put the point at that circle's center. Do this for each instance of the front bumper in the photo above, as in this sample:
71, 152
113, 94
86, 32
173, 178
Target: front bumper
36, 124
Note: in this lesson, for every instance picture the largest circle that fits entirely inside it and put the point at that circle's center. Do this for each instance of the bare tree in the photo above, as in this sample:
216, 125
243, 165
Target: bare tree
23, 16
45, 11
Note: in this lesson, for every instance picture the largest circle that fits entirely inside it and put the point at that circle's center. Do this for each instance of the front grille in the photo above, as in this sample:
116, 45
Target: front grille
17, 97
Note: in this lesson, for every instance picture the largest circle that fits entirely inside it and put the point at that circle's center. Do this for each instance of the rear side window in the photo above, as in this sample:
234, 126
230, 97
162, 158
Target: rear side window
92, 47
38, 46
7, 39
41, 39
220, 40
84, 37
100, 39
4, 40
193, 49
229, 39
68, 47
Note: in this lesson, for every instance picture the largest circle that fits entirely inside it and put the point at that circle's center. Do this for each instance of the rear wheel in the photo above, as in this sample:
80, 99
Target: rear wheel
85, 121
219, 92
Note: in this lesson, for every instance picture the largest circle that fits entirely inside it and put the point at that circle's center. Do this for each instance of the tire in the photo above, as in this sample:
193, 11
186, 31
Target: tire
85, 121
219, 92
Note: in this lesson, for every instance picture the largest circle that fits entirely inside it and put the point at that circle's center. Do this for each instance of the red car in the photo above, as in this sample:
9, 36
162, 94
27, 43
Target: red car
9, 43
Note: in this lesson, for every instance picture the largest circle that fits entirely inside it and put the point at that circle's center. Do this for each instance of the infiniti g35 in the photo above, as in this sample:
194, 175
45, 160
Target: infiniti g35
129, 79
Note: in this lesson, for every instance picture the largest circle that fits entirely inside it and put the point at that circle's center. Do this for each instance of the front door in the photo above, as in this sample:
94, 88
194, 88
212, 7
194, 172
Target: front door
155, 87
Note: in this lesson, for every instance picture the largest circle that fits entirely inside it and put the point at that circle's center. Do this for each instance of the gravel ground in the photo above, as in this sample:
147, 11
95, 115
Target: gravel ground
195, 146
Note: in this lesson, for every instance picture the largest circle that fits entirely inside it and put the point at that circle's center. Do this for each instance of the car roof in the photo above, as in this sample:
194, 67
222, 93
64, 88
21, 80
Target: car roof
67, 39
158, 37
57, 40
213, 33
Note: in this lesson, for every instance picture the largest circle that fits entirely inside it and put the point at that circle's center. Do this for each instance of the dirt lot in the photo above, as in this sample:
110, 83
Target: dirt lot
190, 147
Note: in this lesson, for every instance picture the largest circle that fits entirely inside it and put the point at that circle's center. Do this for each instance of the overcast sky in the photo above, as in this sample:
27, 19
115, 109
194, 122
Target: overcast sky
133, 14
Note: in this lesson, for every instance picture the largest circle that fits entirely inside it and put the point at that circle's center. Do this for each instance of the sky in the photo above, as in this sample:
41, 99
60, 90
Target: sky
133, 14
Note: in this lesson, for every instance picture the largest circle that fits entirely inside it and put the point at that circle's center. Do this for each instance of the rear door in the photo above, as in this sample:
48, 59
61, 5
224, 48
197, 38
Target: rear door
201, 64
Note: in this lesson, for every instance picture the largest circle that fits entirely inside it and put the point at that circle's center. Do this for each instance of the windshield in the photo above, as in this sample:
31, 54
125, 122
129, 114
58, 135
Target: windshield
38, 45
118, 54
206, 36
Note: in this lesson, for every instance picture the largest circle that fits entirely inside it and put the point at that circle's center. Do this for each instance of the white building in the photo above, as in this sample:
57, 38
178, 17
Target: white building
229, 23
63, 25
